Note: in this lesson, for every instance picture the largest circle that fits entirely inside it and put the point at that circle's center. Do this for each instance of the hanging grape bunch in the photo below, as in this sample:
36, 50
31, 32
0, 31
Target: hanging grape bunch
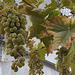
35, 63
13, 25
63, 69
72, 58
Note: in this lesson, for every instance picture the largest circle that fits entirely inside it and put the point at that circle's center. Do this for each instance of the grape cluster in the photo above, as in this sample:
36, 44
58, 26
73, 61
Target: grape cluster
35, 63
72, 58
13, 25
63, 69
19, 63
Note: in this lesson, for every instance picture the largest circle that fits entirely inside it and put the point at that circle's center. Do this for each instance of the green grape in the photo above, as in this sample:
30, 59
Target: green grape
9, 46
14, 50
14, 40
12, 24
6, 29
11, 29
18, 24
9, 39
14, 11
21, 30
18, 40
13, 21
22, 59
14, 35
7, 23
4, 24
19, 65
9, 19
5, 14
10, 15
14, 28
23, 63
13, 17
16, 69
12, 67
4, 18
16, 46
11, 53
20, 47
16, 19
19, 35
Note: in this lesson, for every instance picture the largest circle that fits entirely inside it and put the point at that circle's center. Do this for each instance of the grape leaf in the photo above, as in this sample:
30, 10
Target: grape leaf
48, 43
50, 7
33, 2
62, 28
10, 1
53, 13
42, 52
36, 27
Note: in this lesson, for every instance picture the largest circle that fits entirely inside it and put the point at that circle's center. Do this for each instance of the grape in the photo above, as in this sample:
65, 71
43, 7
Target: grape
4, 14
16, 19
19, 35
21, 30
18, 40
23, 64
6, 29
4, 24
4, 18
7, 23
13, 21
16, 47
9, 46
16, 69
18, 24
22, 59
11, 53
14, 35
11, 25
10, 15
14, 40
9, 19
14, 28
11, 29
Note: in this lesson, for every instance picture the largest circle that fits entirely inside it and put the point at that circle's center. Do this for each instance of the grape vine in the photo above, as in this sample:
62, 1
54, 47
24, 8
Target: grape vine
48, 24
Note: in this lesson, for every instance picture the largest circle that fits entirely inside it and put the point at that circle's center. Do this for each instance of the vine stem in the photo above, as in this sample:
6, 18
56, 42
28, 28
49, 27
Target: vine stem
28, 3
26, 54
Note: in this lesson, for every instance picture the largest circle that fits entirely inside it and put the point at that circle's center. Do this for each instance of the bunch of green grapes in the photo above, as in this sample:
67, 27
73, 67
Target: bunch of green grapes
13, 25
72, 58
63, 69
35, 63
18, 63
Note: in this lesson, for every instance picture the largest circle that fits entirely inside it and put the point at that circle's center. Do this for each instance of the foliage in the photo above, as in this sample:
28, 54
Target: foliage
48, 25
